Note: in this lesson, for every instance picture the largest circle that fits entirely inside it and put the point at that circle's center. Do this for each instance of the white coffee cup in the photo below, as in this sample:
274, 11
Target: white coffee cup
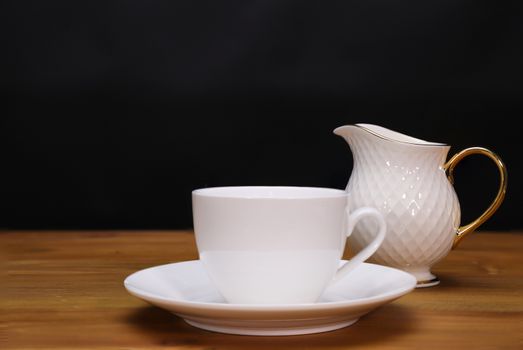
276, 245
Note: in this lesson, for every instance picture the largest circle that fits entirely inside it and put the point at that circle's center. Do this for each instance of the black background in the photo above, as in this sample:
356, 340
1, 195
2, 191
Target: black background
122, 108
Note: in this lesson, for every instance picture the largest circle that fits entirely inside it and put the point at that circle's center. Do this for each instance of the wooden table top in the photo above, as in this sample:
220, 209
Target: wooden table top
65, 290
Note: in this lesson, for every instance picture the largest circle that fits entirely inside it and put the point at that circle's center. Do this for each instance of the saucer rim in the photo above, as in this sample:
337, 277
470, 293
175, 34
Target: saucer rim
410, 284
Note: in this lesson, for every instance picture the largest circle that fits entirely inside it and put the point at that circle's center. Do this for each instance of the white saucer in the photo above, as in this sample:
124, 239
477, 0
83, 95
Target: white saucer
185, 290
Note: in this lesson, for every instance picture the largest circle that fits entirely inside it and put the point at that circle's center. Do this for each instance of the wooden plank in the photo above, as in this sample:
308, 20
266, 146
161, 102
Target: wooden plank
64, 290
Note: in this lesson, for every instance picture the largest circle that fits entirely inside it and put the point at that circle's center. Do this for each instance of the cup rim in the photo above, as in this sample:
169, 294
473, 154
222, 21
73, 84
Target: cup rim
269, 192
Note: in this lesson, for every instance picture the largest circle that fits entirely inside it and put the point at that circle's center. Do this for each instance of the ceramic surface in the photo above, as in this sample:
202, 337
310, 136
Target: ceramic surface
405, 178
277, 244
186, 290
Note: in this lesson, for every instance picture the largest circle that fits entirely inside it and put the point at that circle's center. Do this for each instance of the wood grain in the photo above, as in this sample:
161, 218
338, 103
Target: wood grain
65, 290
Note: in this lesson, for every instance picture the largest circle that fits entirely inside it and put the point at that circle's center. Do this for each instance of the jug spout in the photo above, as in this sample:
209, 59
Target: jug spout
347, 131
344, 131
375, 147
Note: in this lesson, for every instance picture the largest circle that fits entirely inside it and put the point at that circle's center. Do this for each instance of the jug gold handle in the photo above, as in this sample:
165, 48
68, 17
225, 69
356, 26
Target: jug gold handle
449, 169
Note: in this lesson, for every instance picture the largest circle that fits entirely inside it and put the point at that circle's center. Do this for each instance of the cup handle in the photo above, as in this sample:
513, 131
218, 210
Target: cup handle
365, 253
449, 169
